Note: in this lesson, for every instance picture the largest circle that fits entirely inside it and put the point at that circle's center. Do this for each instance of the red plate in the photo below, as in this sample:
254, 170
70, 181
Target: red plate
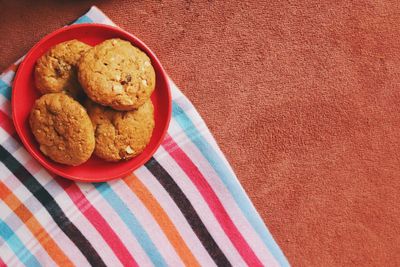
24, 95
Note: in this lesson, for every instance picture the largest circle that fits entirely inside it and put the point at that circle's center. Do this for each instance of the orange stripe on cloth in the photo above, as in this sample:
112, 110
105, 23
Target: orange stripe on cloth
162, 219
34, 226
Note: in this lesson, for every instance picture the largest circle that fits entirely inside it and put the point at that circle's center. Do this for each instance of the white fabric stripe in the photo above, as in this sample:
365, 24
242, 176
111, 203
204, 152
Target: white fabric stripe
195, 117
175, 215
116, 223
22, 155
98, 16
41, 255
12, 220
200, 125
5, 105
30, 242
71, 211
44, 218
7, 253
148, 223
78, 219
7, 77
4, 136
19, 60
175, 92
224, 195
7, 257
10, 145
201, 207
25, 235
47, 181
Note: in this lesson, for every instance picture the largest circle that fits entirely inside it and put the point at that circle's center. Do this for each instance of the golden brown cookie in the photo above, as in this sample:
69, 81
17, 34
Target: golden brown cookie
62, 128
117, 74
121, 134
56, 70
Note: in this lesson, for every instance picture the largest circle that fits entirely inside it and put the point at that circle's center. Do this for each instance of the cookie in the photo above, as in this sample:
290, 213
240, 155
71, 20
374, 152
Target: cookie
56, 70
62, 128
121, 134
117, 74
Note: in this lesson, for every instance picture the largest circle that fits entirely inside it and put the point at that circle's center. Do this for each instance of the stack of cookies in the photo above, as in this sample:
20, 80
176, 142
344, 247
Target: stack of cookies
94, 100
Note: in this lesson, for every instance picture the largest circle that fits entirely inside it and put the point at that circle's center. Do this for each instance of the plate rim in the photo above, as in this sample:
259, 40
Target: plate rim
43, 162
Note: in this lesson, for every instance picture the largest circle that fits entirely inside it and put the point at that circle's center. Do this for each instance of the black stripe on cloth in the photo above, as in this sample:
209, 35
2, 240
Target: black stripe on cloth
52, 207
188, 211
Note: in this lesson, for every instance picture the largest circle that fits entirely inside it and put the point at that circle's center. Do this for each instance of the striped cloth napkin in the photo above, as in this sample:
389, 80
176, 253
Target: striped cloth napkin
184, 207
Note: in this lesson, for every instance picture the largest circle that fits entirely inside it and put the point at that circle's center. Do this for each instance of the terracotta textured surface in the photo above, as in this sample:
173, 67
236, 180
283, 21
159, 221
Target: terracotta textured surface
302, 96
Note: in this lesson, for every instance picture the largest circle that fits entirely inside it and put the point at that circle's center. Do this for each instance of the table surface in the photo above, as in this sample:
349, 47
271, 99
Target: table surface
302, 96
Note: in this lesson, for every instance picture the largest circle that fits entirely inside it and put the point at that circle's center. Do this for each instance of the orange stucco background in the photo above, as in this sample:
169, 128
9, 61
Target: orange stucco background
302, 96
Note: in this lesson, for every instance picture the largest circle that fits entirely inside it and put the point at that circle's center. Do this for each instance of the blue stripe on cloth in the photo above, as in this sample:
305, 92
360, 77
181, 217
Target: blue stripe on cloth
83, 19
133, 224
229, 180
23, 254
5, 89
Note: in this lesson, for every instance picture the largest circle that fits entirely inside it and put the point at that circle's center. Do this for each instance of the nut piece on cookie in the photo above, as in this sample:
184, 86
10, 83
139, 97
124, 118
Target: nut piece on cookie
56, 70
117, 74
121, 135
62, 128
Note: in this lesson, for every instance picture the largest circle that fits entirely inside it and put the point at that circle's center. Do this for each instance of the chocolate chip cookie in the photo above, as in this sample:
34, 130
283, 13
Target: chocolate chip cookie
62, 128
117, 74
56, 70
121, 135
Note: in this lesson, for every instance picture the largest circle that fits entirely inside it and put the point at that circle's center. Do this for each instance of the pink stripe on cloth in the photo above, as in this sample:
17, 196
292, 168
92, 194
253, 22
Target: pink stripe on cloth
170, 207
98, 221
212, 200
5, 106
222, 192
148, 223
116, 223
81, 222
6, 123
231, 227
201, 207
